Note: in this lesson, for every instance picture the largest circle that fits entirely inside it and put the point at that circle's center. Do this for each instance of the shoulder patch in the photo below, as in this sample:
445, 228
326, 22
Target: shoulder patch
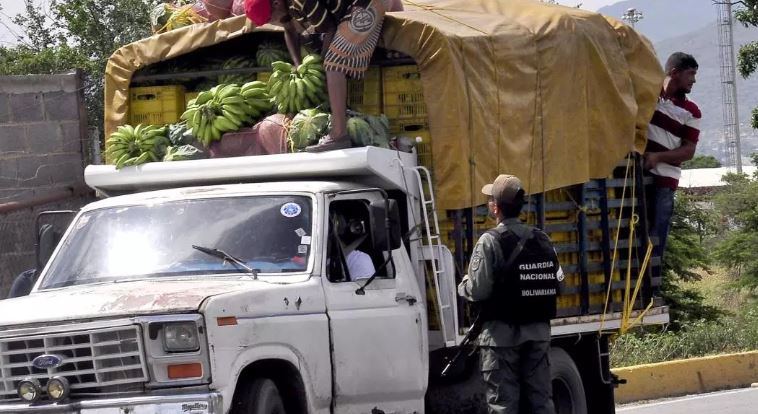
476, 261
559, 274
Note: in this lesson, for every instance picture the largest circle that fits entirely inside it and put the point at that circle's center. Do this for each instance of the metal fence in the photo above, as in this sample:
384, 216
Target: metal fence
18, 235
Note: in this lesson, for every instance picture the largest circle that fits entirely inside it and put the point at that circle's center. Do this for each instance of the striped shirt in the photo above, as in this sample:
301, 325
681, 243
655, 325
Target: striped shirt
674, 120
322, 15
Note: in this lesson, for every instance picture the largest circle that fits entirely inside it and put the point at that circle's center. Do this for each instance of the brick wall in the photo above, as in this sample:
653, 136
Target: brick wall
42, 145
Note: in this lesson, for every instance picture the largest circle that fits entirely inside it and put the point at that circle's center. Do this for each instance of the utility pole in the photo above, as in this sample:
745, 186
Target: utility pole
632, 16
732, 147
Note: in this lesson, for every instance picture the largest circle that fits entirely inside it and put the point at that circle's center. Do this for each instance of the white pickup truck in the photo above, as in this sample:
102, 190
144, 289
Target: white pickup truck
219, 286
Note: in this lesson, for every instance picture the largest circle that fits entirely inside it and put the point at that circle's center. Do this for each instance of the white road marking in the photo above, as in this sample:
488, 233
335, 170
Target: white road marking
682, 399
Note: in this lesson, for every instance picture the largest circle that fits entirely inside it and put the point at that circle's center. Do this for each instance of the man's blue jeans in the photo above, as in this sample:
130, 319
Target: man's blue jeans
661, 218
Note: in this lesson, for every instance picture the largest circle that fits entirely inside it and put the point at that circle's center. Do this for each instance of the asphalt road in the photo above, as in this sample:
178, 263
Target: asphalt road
742, 401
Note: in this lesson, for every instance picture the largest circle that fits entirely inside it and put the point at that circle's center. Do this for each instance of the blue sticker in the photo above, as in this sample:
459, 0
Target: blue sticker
291, 210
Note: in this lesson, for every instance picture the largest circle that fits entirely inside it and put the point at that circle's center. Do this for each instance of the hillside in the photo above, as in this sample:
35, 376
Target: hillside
703, 44
693, 29
665, 19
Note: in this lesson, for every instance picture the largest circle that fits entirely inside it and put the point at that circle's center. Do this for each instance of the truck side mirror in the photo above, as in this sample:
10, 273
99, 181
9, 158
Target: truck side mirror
379, 214
48, 235
48, 238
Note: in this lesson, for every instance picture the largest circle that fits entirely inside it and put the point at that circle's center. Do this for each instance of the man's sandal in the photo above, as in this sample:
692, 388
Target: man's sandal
328, 144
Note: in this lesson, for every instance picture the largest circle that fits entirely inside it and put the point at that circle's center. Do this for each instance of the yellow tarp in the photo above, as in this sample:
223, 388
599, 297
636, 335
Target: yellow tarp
555, 95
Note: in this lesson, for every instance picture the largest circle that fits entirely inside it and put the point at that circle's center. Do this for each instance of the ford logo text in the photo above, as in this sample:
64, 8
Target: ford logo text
47, 361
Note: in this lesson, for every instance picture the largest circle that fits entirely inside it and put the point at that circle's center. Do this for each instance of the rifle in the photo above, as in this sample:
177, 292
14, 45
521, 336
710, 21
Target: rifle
476, 327
471, 335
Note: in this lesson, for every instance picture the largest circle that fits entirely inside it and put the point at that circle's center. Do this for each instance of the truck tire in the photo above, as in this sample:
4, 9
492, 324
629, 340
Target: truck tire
259, 396
568, 390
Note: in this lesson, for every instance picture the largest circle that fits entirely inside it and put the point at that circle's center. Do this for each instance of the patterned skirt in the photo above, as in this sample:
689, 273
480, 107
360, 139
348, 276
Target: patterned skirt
356, 38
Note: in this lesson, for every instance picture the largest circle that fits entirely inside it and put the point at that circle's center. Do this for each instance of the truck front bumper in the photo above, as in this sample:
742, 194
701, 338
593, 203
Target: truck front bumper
204, 403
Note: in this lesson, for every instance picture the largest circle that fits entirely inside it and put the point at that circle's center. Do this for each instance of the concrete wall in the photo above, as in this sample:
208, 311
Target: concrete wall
687, 376
43, 129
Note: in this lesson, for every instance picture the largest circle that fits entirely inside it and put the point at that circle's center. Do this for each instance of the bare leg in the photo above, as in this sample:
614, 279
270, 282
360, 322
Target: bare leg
337, 86
338, 137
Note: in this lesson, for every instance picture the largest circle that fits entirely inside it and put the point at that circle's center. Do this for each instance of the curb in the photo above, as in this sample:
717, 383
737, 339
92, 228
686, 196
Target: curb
687, 376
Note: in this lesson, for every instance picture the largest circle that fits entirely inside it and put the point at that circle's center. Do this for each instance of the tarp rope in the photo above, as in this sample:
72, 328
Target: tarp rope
630, 297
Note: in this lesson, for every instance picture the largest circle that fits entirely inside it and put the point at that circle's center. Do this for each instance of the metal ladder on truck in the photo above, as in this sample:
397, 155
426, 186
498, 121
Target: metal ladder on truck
440, 259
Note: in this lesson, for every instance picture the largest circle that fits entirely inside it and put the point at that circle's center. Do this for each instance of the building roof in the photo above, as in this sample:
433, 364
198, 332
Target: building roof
709, 177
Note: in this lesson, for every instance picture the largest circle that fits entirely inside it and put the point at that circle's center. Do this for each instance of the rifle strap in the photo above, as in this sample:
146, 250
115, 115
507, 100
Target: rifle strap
517, 250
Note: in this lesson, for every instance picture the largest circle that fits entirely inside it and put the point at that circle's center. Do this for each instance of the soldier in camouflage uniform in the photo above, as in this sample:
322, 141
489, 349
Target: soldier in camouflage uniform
517, 304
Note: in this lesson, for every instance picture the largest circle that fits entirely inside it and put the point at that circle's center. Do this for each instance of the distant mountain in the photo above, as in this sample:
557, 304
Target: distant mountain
663, 25
664, 19
703, 44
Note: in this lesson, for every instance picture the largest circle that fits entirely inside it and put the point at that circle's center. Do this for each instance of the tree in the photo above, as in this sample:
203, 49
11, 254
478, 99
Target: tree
76, 34
701, 161
737, 204
747, 57
691, 225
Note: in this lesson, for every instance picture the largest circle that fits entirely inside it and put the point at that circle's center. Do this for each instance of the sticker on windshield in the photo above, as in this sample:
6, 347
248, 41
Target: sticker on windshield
291, 210
300, 232
305, 240
302, 249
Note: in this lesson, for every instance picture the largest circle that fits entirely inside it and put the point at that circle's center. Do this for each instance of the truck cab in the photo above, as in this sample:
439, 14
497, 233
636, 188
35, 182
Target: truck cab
133, 311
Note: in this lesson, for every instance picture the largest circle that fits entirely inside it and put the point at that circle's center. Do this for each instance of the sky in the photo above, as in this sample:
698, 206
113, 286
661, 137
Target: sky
589, 4
12, 7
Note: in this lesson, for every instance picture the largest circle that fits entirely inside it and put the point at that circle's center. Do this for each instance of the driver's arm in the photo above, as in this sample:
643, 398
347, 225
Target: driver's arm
360, 265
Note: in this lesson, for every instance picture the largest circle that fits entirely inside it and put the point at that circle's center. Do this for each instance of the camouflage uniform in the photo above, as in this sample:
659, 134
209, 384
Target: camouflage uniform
514, 357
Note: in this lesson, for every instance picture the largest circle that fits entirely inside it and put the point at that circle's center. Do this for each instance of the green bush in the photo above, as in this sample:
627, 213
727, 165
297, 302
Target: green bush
701, 338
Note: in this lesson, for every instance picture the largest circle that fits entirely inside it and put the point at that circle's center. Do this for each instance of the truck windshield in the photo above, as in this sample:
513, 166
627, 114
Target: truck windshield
271, 234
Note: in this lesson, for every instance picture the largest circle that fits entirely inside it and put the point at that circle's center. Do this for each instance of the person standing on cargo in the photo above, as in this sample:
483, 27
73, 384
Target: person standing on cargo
672, 137
351, 30
514, 277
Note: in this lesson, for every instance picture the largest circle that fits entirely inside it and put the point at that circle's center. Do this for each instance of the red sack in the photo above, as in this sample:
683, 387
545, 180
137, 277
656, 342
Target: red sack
218, 9
238, 7
266, 137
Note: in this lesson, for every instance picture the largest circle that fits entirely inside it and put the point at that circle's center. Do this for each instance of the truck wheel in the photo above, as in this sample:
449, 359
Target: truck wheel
260, 396
568, 390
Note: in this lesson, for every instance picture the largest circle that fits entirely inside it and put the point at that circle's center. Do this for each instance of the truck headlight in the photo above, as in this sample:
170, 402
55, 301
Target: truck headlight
29, 390
58, 388
180, 337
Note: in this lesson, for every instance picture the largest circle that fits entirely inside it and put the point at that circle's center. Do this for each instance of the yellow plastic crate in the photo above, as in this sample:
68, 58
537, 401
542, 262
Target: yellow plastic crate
156, 105
403, 92
557, 196
568, 301
413, 129
263, 76
188, 96
446, 233
365, 95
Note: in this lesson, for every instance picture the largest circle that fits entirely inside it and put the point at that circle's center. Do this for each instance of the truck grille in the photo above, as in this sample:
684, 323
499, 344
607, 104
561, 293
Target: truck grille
99, 361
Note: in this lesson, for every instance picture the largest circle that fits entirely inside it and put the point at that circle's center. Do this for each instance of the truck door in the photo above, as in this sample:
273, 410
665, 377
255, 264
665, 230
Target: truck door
378, 334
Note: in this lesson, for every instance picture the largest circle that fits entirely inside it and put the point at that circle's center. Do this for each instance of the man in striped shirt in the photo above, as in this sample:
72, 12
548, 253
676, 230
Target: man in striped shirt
672, 137
350, 29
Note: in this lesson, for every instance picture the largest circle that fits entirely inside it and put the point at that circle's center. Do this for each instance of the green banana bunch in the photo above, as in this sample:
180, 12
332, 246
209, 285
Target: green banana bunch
225, 108
131, 145
256, 98
294, 88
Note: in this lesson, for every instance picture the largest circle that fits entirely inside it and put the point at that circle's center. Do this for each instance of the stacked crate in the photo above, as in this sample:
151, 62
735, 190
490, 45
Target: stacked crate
155, 105
403, 104
560, 224
365, 95
188, 96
